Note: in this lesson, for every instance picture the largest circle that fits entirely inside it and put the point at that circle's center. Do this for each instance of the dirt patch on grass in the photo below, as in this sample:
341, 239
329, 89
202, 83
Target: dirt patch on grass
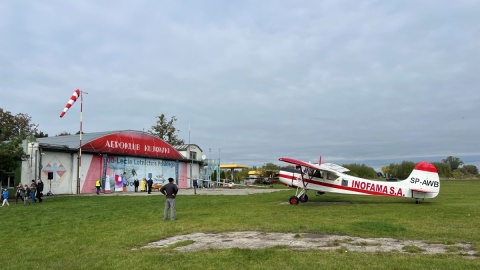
304, 241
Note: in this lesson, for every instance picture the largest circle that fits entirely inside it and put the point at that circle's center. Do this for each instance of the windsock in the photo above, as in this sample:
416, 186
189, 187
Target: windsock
72, 100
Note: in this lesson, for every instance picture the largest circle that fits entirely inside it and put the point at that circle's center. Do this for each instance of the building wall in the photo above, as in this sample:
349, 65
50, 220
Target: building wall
120, 171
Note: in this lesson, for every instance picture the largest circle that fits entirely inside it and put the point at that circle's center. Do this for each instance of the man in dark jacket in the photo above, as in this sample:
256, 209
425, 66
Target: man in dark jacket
20, 193
39, 190
136, 183
149, 185
170, 190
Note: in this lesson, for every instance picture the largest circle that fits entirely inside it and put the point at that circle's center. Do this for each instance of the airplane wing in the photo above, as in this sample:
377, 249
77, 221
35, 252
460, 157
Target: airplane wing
299, 163
323, 166
335, 167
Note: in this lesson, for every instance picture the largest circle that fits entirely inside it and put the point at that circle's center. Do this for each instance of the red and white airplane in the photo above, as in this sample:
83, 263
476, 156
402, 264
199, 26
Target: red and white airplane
423, 182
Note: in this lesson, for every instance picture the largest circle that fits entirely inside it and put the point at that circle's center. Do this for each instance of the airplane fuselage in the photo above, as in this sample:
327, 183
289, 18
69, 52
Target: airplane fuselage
337, 182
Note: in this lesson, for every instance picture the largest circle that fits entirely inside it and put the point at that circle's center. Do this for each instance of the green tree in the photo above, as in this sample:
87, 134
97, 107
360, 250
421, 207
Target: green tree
165, 130
469, 169
11, 153
458, 174
41, 135
443, 169
271, 167
404, 169
13, 126
385, 170
214, 175
454, 162
392, 170
361, 170
13, 130
64, 133
270, 170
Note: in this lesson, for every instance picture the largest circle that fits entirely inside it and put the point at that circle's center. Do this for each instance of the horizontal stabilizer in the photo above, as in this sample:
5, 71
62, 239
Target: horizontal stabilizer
423, 191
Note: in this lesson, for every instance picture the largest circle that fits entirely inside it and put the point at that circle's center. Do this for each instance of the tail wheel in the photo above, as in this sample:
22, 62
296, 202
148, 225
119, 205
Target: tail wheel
294, 200
304, 198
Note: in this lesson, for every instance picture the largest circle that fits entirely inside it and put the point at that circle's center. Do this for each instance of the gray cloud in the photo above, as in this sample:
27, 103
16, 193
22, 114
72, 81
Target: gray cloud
366, 81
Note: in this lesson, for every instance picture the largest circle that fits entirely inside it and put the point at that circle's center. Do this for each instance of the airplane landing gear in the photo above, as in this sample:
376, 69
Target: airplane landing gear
417, 200
294, 200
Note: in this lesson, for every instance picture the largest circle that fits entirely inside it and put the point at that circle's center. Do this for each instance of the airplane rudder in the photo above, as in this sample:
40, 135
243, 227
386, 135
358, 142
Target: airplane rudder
424, 170
426, 166
425, 176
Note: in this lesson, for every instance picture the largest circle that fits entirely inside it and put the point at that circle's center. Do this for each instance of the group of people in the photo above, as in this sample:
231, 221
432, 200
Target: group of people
33, 192
146, 185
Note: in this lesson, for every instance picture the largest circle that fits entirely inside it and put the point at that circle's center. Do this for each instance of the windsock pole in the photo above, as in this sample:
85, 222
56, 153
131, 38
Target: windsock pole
79, 167
77, 93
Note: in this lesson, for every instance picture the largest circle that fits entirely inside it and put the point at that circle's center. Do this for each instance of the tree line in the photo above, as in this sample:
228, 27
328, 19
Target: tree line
450, 167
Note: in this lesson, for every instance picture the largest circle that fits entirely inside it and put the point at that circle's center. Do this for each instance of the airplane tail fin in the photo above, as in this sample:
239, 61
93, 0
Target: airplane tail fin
424, 180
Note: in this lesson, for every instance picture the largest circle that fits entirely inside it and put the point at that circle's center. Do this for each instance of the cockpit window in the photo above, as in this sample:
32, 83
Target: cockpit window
331, 176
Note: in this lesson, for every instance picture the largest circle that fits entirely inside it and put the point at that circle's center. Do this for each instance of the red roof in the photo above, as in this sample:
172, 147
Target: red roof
132, 143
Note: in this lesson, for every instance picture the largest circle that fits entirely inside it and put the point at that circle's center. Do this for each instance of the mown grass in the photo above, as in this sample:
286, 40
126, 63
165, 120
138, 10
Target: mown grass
99, 232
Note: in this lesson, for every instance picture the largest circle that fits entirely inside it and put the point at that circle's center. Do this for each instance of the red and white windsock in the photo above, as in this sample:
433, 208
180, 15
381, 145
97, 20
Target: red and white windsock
72, 100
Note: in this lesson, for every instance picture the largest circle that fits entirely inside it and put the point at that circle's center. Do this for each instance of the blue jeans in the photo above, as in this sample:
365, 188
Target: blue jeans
32, 196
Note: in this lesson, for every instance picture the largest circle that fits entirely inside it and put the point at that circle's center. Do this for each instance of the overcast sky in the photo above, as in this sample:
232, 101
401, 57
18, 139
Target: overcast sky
368, 82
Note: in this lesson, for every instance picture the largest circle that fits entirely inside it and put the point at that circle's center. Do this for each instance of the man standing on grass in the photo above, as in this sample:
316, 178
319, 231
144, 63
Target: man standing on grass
149, 184
39, 190
170, 190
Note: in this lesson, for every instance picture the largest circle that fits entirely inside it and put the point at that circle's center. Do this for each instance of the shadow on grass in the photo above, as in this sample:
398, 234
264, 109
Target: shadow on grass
372, 201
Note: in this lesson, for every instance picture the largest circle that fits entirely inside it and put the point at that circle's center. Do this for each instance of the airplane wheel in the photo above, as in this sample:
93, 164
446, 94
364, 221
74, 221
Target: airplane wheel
304, 198
294, 200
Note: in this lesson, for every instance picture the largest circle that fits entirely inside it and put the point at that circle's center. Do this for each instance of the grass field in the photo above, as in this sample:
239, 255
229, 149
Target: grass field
99, 232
